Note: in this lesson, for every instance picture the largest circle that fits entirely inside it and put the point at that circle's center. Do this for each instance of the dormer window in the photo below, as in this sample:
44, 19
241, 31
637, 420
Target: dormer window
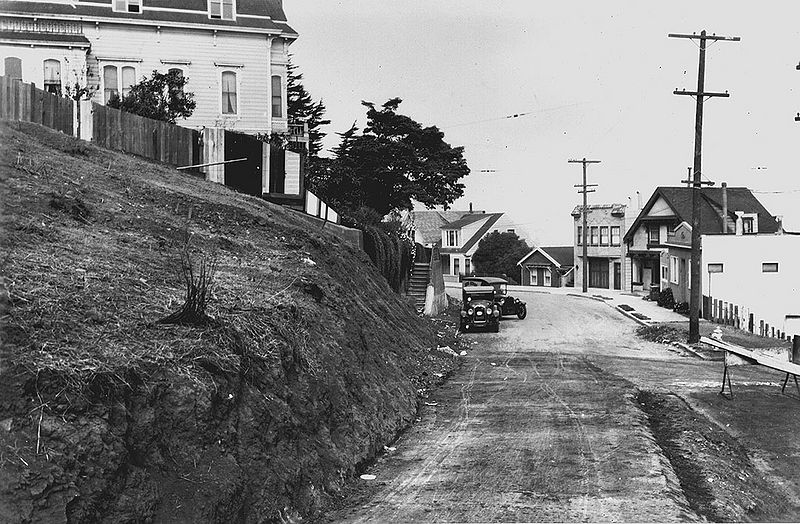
748, 226
451, 238
128, 6
221, 9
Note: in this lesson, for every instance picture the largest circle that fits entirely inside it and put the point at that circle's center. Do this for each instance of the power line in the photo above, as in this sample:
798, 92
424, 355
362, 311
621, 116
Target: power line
512, 116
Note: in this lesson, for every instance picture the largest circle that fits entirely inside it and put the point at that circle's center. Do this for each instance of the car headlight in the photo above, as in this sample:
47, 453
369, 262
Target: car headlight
502, 300
469, 299
470, 311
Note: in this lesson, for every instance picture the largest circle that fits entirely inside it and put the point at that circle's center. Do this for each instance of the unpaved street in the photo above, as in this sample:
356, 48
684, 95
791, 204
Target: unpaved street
546, 422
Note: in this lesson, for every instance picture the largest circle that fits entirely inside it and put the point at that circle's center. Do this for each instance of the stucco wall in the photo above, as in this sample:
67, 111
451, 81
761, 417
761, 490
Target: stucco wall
769, 296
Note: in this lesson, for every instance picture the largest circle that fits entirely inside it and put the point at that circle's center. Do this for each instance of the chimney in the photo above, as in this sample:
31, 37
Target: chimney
470, 207
638, 201
779, 220
724, 208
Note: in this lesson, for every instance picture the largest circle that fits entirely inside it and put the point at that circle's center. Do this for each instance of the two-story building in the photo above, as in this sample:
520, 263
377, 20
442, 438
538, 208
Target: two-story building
659, 239
234, 53
607, 264
458, 234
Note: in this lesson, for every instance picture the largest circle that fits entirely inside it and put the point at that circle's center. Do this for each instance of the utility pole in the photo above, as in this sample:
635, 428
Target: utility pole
584, 189
700, 96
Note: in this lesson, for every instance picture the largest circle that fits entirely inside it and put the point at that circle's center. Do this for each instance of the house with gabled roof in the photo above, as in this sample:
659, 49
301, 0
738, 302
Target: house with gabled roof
552, 266
458, 234
460, 240
668, 214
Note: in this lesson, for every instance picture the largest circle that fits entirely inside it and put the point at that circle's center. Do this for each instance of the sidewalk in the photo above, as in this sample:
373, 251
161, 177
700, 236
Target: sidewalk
645, 312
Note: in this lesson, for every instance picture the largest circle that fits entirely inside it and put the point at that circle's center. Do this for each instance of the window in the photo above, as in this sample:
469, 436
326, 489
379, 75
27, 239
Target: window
653, 235
593, 235
222, 9
13, 67
715, 268
456, 266
534, 277
179, 73
615, 232
229, 101
769, 267
510, 231
603, 235
277, 97
452, 238
747, 226
110, 83
128, 79
673, 270
52, 76
128, 6
580, 236
467, 266
548, 277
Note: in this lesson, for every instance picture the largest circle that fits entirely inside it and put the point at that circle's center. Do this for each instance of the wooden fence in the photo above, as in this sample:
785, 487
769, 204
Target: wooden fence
26, 102
169, 143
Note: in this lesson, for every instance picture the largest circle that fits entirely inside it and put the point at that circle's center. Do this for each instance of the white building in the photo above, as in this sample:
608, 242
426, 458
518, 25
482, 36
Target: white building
234, 53
753, 281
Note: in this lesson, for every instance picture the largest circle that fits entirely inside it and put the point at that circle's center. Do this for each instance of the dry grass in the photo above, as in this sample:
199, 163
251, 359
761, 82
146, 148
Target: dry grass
93, 261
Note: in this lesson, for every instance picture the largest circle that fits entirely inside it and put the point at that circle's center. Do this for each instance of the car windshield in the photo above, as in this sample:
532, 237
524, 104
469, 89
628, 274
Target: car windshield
500, 287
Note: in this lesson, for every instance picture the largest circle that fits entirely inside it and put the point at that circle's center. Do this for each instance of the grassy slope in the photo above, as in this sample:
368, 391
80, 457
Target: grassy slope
311, 365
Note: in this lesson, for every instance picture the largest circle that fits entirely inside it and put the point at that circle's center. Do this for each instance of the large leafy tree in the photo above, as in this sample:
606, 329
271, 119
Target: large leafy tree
302, 107
393, 161
498, 254
160, 97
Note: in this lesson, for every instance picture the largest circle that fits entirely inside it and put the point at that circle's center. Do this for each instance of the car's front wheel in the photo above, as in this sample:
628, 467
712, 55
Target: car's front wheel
522, 311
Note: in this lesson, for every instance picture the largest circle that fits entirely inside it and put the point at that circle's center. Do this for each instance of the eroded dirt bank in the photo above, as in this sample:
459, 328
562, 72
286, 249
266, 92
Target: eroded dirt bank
309, 366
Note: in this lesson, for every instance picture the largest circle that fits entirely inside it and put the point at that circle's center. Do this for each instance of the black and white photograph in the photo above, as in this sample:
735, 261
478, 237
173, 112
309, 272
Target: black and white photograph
367, 261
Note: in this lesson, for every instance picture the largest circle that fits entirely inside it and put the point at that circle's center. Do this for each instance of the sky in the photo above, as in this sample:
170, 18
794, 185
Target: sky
588, 79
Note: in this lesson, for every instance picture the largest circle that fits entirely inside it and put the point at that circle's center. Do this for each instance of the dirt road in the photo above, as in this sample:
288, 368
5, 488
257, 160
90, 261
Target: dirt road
547, 422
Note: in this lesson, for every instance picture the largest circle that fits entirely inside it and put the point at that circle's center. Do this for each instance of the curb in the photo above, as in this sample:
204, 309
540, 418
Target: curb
690, 350
627, 314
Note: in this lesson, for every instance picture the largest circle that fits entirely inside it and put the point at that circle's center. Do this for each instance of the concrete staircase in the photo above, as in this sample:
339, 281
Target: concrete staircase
418, 286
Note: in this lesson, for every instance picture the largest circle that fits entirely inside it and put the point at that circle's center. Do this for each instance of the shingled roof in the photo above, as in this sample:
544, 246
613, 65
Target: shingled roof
679, 200
564, 256
428, 223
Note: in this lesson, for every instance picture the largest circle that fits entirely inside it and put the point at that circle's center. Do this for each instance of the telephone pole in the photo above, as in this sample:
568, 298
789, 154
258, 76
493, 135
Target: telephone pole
584, 189
700, 96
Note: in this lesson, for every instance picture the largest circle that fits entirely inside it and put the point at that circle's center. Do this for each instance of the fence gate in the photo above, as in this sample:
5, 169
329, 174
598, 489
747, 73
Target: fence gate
244, 176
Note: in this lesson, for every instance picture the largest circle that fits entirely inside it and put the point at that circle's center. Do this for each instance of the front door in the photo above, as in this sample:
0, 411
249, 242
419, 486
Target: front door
617, 275
598, 272
540, 276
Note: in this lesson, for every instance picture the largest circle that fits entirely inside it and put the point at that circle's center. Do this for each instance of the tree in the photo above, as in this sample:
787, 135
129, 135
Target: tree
302, 107
160, 97
498, 254
393, 161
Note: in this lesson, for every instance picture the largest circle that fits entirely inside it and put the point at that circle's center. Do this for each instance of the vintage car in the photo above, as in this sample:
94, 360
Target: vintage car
508, 304
478, 309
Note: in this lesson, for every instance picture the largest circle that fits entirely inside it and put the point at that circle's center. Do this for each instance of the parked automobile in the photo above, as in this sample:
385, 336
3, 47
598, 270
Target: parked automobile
479, 310
508, 305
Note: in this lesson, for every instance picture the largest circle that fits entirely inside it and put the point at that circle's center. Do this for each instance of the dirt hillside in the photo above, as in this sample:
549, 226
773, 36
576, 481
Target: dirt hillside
308, 366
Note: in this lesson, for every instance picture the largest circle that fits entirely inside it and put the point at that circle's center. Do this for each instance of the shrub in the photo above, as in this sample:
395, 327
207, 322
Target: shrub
682, 308
665, 299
